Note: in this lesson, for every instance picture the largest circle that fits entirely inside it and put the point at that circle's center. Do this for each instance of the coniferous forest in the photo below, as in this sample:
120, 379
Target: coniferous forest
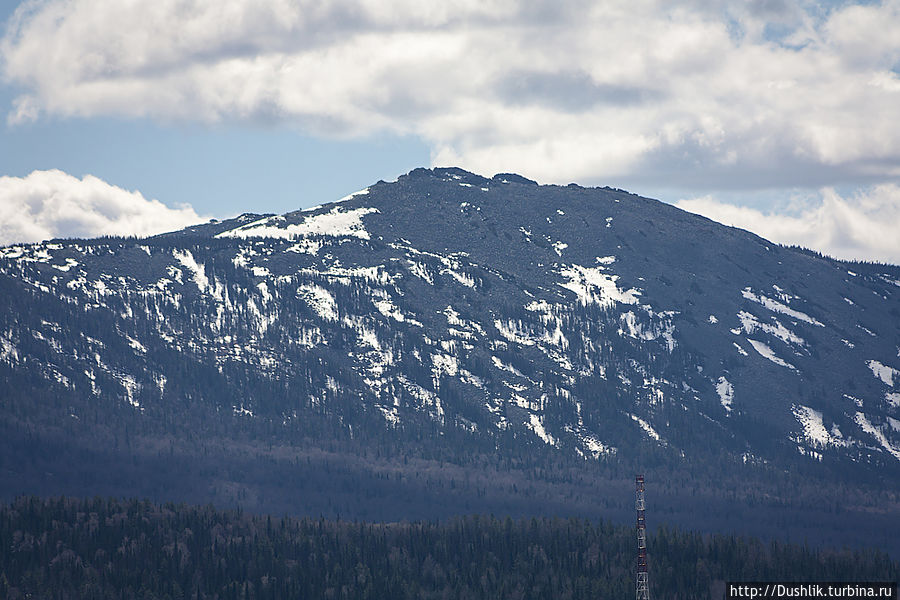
103, 548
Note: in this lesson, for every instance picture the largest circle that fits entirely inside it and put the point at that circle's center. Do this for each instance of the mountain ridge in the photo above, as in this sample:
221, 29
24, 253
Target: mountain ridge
449, 314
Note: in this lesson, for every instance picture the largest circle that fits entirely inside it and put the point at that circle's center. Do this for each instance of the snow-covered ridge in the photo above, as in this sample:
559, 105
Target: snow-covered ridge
361, 192
337, 223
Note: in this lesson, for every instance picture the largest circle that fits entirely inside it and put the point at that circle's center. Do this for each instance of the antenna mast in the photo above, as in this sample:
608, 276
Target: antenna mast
642, 585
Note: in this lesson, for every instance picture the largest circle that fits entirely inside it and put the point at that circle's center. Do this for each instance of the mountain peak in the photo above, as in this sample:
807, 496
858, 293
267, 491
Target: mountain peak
512, 178
458, 175
483, 315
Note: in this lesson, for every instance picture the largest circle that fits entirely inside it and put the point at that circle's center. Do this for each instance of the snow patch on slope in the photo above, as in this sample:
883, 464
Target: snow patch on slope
198, 272
136, 345
883, 372
596, 447
513, 332
867, 426
646, 427
893, 399
726, 392
389, 309
345, 275
8, 351
592, 286
320, 300
776, 306
499, 364
814, 430
749, 323
767, 352
537, 426
663, 328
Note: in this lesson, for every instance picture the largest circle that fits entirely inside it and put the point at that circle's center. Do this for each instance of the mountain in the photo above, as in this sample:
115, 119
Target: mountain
431, 345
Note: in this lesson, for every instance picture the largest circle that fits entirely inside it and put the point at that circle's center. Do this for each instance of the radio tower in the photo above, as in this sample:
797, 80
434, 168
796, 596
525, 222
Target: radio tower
642, 585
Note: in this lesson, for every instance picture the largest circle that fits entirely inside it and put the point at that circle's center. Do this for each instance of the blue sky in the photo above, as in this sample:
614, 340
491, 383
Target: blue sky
219, 169
779, 116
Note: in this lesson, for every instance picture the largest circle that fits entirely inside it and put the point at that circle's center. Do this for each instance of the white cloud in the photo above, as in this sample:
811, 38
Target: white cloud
49, 204
864, 226
688, 93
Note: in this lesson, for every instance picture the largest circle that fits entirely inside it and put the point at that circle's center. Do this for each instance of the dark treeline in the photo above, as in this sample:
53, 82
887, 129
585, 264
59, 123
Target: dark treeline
101, 548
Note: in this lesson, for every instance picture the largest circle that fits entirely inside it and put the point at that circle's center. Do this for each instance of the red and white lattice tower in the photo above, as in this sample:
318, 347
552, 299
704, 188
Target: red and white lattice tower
642, 585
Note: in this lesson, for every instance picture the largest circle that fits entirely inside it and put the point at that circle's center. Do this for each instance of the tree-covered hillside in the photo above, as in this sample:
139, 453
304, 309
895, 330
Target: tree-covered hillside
68, 548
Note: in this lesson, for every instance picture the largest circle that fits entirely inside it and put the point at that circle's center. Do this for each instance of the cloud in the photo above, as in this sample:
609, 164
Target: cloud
863, 226
50, 204
692, 93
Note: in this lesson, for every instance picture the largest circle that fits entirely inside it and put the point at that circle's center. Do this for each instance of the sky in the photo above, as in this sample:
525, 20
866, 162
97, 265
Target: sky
778, 116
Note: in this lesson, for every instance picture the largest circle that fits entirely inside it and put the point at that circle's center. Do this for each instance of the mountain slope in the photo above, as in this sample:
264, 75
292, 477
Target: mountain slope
493, 317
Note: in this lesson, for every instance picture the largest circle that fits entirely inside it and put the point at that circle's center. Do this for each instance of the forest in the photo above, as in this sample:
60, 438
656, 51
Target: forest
67, 548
